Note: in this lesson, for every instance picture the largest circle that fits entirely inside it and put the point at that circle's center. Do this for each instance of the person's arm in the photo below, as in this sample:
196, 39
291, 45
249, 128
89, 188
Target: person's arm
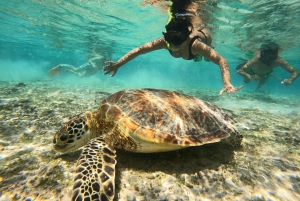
148, 47
199, 48
294, 72
243, 70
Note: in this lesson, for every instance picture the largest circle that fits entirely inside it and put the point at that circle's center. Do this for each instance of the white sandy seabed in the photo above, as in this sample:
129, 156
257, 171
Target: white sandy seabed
265, 168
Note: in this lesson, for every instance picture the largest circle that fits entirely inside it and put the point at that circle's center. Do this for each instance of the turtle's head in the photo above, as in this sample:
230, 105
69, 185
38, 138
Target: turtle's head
73, 134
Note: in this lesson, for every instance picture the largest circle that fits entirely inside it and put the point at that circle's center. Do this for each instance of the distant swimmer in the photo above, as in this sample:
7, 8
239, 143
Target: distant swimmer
88, 69
260, 68
183, 38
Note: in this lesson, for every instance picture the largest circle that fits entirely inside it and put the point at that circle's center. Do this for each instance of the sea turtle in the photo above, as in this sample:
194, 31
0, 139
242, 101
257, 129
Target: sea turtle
142, 120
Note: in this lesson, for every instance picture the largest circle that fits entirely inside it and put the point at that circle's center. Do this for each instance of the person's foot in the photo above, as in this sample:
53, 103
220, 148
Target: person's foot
54, 71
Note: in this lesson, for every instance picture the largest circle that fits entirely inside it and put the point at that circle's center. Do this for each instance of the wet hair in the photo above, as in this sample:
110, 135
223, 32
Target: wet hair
179, 6
179, 25
269, 46
269, 52
178, 30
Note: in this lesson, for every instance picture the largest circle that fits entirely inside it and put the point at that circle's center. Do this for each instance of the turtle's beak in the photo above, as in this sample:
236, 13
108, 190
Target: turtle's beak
64, 148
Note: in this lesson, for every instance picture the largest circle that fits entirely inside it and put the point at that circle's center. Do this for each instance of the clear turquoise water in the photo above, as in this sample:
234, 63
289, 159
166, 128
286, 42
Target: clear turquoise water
38, 35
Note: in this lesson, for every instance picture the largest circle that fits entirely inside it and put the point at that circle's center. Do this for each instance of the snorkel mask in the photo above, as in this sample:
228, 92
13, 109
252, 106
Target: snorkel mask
175, 38
269, 53
177, 31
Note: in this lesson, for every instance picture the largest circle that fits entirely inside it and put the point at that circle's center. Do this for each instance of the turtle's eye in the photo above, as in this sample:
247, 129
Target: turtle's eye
64, 137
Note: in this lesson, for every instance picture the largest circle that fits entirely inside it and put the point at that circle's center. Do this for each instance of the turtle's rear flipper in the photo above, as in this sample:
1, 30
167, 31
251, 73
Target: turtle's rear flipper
95, 172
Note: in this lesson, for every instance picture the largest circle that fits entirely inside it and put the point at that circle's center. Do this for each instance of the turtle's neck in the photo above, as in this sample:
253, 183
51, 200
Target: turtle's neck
92, 120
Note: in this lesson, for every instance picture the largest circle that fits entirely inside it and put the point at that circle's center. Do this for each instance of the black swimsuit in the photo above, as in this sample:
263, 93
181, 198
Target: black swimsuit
191, 56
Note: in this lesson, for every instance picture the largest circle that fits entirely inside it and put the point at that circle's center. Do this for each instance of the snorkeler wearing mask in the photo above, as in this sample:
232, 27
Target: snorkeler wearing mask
181, 41
261, 66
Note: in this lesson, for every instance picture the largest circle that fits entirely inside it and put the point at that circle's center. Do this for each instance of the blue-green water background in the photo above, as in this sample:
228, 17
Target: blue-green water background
36, 35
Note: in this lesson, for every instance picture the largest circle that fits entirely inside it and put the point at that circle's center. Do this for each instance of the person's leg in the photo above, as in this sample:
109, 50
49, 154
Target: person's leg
262, 81
60, 69
97, 62
75, 73
67, 67
82, 70
72, 69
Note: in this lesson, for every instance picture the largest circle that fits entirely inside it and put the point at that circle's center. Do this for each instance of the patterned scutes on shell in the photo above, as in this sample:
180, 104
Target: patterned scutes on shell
169, 117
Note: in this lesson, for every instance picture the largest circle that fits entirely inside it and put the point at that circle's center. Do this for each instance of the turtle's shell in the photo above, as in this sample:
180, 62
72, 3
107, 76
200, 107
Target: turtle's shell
151, 120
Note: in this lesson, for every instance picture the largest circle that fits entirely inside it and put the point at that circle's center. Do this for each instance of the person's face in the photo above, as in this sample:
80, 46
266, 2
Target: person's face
269, 55
176, 39
176, 48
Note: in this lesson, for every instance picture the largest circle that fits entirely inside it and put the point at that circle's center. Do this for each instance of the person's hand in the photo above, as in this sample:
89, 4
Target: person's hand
229, 89
110, 67
286, 82
255, 78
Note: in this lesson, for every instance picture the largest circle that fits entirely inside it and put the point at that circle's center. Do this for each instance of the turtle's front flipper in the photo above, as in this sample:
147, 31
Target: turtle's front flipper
235, 139
95, 172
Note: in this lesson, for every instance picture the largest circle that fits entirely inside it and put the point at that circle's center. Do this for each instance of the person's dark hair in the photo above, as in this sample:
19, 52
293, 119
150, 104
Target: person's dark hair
269, 52
178, 30
269, 46
179, 6
179, 25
